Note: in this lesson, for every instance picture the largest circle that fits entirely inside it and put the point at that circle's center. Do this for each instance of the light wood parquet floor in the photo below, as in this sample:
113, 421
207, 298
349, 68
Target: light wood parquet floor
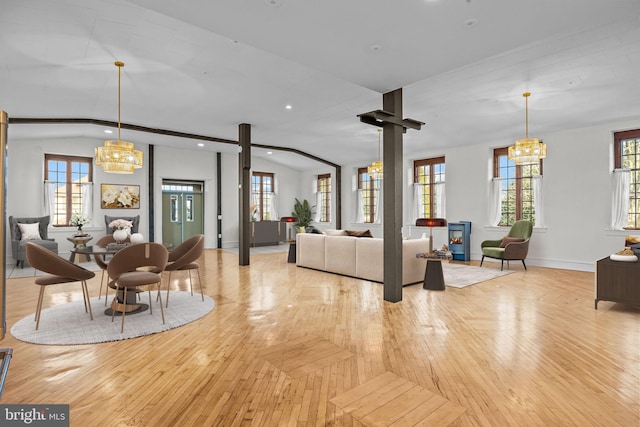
288, 346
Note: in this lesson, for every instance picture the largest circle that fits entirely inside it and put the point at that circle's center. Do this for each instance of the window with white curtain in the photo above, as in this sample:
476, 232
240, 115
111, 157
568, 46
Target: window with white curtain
262, 194
428, 179
69, 182
627, 157
324, 198
517, 193
369, 195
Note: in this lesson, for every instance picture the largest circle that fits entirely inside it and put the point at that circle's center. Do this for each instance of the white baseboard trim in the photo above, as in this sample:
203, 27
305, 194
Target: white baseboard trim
548, 263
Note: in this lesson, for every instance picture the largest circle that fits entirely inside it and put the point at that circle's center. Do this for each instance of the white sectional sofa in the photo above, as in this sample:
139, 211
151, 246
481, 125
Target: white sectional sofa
360, 257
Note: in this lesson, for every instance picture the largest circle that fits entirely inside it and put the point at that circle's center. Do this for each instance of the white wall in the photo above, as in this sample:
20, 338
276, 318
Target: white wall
193, 165
287, 185
230, 197
25, 185
308, 187
577, 192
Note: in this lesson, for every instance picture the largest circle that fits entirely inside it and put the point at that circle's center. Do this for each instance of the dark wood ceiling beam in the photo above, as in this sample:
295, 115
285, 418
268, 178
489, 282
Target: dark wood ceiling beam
139, 128
293, 150
108, 123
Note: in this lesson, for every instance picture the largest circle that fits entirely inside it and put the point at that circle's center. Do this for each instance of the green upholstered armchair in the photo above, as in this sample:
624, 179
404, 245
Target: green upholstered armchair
514, 246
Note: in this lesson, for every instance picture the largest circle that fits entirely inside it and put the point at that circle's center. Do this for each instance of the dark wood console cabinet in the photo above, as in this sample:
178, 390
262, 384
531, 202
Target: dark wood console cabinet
617, 281
267, 233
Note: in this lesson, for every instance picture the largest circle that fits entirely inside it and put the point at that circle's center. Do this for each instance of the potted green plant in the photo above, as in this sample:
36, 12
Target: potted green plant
304, 212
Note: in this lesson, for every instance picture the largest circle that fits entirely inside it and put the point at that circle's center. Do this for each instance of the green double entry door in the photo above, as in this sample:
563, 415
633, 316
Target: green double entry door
182, 211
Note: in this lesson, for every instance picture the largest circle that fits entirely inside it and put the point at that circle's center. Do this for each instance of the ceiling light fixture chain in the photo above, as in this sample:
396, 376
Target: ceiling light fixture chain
119, 65
376, 169
527, 151
118, 156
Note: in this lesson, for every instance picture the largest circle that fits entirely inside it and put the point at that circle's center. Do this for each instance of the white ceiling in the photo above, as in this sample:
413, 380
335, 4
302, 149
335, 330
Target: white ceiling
203, 67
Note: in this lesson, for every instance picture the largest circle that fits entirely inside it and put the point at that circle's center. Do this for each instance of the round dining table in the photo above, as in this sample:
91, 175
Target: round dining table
133, 306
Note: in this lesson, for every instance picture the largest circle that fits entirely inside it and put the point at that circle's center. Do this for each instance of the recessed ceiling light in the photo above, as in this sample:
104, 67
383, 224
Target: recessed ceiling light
200, 144
471, 22
375, 48
269, 153
273, 3
288, 106
108, 131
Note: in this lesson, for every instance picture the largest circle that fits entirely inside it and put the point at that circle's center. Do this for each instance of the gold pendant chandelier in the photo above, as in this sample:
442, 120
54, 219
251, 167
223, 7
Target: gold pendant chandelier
117, 156
375, 170
527, 151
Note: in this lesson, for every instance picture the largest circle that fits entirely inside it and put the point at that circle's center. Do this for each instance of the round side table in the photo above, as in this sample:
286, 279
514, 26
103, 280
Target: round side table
79, 241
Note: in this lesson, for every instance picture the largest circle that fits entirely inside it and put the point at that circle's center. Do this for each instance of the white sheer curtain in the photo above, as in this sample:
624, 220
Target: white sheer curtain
359, 207
416, 209
316, 216
255, 203
50, 199
50, 189
536, 187
377, 194
273, 207
87, 200
440, 200
620, 198
495, 206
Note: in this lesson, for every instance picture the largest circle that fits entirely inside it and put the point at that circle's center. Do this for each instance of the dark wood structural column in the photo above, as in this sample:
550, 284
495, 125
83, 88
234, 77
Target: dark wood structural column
392, 195
3, 205
151, 162
219, 196
338, 191
244, 180
393, 125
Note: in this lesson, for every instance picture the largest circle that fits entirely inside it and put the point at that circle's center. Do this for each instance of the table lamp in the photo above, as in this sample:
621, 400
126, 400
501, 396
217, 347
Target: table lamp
431, 222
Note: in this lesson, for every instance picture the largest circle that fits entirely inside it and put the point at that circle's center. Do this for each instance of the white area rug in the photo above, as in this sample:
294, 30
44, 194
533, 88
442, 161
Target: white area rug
460, 275
69, 324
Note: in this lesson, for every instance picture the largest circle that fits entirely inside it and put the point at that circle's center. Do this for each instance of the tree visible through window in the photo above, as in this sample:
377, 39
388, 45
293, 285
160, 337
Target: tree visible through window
428, 172
627, 156
324, 192
68, 173
369, 187
261, 193
516, 187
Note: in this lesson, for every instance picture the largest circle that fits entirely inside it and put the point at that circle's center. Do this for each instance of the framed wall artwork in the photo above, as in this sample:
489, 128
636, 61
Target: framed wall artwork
117, 196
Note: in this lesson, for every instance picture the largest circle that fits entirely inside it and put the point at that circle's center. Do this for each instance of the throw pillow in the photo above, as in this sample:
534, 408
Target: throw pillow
507, 240
332, 232
30, 231
366, 233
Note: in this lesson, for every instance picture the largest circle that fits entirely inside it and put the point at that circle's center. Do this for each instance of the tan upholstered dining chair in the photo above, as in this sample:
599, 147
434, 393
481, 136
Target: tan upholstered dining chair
59, 271
184, 257
133, 267
102, 262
